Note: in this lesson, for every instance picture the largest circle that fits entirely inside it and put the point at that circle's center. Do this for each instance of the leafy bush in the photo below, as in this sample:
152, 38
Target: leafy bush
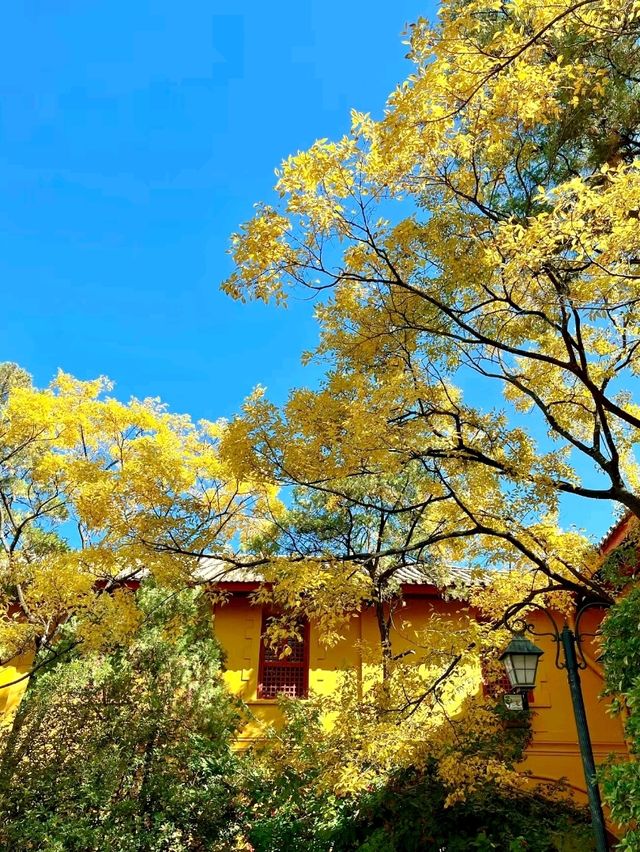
129, 751
409, 814
289, 809
126, 751
621, 779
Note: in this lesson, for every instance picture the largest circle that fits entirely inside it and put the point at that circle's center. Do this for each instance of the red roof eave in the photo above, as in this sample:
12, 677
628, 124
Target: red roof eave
425, 590
615, 535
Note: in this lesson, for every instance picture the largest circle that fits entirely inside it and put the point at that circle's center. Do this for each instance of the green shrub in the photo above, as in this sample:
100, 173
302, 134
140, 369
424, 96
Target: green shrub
406, 813
621, 778
129, 750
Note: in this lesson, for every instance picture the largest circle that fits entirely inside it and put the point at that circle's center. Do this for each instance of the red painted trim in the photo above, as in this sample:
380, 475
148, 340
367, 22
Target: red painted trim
422, 590
131, 583
241, 588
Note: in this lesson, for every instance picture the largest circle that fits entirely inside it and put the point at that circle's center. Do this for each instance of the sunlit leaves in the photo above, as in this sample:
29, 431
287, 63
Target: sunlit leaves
487, 222
95, 494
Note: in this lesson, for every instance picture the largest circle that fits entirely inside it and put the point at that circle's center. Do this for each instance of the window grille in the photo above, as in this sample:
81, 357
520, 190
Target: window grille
284, 675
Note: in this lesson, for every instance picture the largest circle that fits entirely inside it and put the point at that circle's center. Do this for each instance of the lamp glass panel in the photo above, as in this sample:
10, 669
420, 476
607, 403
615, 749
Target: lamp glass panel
532, 665
508, 664
521, 669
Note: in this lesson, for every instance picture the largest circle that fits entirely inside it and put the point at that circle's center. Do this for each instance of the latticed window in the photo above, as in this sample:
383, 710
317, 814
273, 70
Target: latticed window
284, 675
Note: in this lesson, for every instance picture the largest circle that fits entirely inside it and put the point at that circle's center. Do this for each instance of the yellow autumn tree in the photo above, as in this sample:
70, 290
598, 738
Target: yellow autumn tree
484, 232
95, 495
364, 514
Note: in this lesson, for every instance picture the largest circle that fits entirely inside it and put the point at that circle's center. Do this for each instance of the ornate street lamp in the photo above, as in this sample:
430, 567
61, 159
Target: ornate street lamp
521, 661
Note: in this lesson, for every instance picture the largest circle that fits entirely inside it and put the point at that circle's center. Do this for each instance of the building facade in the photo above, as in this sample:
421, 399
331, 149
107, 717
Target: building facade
256, 675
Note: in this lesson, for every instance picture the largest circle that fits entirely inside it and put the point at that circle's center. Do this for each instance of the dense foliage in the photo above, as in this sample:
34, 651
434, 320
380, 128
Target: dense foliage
129, 750
621, 779
483, 233
409, 815
105, 755
407, 812
480, 236
92, 490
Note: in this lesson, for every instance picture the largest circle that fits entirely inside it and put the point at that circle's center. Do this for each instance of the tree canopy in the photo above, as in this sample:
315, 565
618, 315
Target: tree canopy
484, 230
482, 233
129, 749
93, 493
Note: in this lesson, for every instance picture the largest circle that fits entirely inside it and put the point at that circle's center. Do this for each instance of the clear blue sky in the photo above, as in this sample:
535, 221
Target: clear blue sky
134, 138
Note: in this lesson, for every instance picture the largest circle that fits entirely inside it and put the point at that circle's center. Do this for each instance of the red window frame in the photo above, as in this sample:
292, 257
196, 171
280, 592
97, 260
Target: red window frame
284, 676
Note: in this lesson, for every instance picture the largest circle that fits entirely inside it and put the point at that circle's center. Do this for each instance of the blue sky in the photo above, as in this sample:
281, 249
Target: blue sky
134, 138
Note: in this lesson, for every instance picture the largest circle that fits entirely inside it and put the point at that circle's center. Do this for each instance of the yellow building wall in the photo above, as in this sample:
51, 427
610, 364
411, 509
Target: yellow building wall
553, 753
238, 624
13, 684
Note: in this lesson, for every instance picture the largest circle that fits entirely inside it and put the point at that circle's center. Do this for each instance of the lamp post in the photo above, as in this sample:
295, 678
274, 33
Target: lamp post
521, 662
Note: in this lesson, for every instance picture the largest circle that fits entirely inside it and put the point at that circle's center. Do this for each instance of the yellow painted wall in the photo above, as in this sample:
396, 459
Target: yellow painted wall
238, 624
237, 627
11, 695
553, 753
